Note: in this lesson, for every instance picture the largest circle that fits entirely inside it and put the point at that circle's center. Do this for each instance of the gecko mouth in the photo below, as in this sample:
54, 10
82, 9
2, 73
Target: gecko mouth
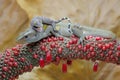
38, 28
21, 41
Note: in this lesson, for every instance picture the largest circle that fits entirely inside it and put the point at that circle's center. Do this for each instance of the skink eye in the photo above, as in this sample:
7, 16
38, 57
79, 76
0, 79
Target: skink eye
26, 36
35, 27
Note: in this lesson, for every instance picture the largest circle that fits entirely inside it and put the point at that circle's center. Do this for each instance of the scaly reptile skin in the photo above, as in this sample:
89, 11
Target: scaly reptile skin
23, 58
42, 27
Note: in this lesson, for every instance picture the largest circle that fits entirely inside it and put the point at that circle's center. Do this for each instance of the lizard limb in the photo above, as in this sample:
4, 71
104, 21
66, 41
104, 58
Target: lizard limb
50, 30
38, 21
62, 19
82, 31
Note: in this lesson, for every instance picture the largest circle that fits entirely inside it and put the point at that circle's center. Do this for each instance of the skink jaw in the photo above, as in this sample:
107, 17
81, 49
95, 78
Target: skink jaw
25, 36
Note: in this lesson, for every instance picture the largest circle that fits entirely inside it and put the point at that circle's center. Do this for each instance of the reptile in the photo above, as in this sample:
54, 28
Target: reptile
38, 22
46, 27
40, 27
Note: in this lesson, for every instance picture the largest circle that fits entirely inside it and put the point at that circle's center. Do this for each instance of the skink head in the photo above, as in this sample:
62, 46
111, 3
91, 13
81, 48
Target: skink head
36, 24
25, 37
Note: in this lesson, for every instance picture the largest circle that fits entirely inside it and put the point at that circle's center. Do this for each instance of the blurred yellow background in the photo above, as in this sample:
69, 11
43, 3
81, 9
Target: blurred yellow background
16, 14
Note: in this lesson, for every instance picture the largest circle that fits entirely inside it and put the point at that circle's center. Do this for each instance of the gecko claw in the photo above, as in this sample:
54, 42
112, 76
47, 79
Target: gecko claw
80, 41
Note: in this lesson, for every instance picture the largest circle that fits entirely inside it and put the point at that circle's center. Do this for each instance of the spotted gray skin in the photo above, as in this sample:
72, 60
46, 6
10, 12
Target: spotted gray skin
28, 35
36, 30
82, 31
38, 21
65, 30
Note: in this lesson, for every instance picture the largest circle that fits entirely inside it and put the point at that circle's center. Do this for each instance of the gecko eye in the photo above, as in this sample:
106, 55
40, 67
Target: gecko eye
35, 26
26, 36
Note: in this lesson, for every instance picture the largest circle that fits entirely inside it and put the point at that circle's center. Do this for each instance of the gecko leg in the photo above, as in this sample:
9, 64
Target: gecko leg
41, 35
60, 20
79, 34
50, 30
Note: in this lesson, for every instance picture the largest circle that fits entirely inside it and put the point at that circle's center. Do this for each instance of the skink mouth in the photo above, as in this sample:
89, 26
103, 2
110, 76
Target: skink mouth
39, 29
19, 38
20, 41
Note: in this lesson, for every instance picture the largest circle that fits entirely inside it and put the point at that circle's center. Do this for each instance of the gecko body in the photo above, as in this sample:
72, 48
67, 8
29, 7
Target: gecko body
38, 22
40, 27
64, 29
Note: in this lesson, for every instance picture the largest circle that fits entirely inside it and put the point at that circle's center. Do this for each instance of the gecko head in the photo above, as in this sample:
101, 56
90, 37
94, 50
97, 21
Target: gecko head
36, 24
26, 36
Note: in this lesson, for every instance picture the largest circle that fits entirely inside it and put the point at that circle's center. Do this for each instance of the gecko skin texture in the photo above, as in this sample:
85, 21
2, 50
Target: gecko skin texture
23, 58
42, 27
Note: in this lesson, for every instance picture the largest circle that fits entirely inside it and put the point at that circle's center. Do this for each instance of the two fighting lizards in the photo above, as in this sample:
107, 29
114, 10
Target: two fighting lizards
42, 27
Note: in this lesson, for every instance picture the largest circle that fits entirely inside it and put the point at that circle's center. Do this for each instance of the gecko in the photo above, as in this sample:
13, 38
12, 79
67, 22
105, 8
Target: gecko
38, 22
40, 27
64, 29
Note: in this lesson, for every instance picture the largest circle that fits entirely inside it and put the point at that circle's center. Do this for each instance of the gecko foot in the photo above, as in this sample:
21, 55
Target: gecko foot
80, 41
